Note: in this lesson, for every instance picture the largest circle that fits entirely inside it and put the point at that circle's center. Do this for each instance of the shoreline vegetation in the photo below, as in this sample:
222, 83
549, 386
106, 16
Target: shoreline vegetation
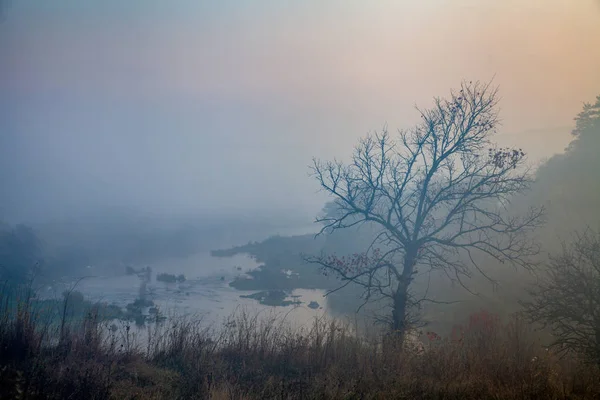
251, 358
281, 270
281, 265
275, 298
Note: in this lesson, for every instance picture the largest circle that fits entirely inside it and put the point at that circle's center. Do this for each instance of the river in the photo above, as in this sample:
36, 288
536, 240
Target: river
205, 293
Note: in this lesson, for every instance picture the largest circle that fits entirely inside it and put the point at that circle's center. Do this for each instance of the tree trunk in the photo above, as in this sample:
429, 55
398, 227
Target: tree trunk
399, 311
400, 325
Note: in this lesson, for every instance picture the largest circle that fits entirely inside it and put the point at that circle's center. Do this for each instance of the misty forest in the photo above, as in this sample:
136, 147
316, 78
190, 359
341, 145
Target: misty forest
322, 200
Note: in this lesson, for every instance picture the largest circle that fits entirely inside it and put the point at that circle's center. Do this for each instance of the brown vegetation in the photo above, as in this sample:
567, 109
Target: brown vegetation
252, 358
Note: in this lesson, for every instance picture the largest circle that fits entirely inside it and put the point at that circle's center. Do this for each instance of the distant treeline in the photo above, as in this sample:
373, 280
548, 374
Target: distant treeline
109, 242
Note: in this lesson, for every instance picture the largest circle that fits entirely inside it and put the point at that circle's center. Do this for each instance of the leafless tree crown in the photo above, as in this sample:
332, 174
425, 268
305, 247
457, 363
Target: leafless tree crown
440, 192
567, 299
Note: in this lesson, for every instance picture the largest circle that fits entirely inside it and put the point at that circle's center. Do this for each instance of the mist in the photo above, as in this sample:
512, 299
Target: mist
299, 199
198, 108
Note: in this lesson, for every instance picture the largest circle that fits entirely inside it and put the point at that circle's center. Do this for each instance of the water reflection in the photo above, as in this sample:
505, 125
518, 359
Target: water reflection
205, 294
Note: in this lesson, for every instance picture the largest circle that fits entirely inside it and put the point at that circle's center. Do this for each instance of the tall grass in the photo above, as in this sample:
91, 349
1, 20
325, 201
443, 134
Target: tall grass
264, 358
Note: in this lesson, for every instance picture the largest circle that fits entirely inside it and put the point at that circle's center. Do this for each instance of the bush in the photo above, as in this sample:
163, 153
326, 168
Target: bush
252, 358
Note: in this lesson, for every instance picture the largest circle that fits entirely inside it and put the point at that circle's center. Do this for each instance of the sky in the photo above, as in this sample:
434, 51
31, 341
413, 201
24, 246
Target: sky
193, 106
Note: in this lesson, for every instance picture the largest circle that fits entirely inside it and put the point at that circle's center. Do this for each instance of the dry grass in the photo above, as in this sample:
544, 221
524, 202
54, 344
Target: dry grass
253, 358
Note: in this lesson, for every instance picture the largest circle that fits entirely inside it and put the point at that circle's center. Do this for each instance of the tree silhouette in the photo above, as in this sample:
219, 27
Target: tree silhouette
567, 299
588, 120
439, 193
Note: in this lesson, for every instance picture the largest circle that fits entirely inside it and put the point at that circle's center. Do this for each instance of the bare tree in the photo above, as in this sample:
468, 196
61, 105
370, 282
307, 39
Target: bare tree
440, 193
567, 299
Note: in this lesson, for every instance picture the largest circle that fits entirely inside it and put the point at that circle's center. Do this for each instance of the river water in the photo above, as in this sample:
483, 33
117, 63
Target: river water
205, 294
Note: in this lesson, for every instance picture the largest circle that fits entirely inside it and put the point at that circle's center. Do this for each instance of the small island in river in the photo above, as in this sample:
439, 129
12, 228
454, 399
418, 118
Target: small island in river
272, 298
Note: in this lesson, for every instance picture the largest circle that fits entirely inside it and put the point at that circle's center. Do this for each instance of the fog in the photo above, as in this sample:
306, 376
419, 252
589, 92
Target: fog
196, 107
158, 213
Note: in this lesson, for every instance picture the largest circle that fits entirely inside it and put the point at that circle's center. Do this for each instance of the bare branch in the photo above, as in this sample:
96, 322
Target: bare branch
567, 298
440, 192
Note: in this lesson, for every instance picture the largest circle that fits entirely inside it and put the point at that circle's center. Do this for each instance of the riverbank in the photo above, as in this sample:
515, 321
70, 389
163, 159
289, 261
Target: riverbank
281, 264
252, 359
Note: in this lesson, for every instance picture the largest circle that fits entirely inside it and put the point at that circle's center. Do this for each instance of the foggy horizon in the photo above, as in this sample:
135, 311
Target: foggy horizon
261, 199
194, 108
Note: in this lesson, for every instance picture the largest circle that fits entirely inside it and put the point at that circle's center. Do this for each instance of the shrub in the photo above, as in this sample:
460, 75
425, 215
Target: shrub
264, 358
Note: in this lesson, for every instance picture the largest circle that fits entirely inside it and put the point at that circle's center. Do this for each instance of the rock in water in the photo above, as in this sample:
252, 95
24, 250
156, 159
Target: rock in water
314, 305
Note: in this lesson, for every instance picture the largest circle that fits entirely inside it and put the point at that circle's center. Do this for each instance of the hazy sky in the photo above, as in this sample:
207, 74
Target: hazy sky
191, 105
